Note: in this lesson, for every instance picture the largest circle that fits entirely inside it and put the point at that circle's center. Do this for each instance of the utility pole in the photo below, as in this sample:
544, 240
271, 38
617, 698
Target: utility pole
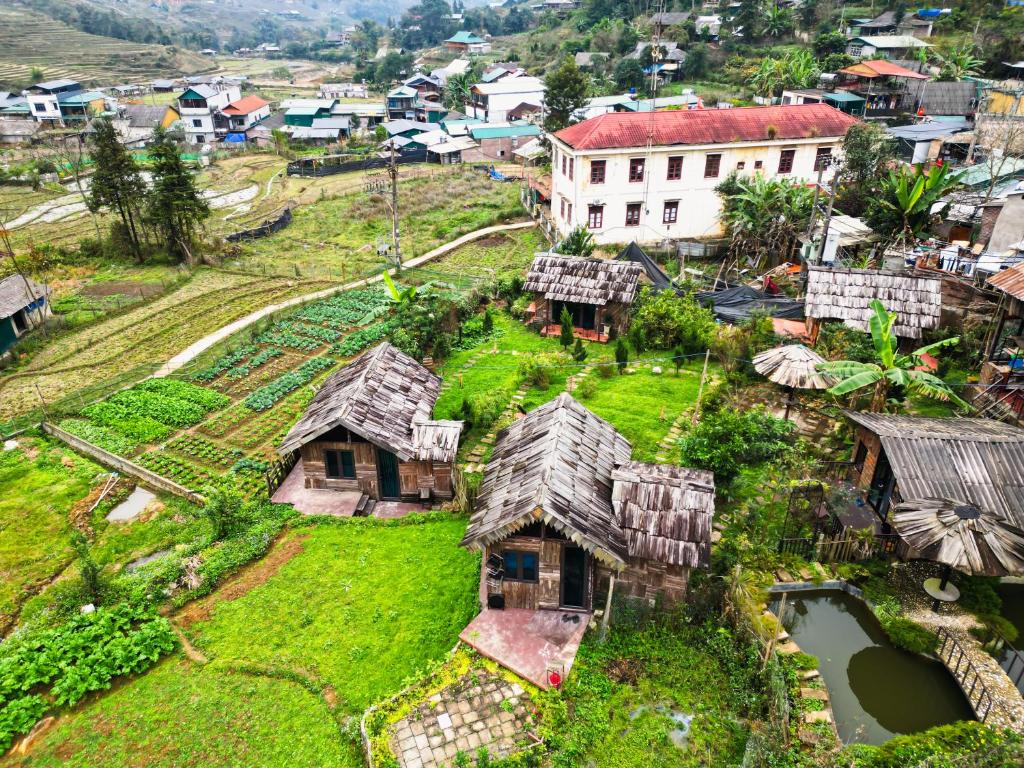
395, 237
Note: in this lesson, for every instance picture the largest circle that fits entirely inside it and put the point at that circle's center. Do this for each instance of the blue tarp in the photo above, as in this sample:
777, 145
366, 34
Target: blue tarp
234, 138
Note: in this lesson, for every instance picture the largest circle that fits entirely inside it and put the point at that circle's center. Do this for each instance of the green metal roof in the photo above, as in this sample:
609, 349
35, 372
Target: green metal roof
305, 111
465, 37
843, 96
504, 131
982, 173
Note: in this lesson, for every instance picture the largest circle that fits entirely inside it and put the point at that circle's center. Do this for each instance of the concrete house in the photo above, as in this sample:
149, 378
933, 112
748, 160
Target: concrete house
245, 113
43, 98
200, 107
885, 46
492, 102
21, 308
467, 42
607, 179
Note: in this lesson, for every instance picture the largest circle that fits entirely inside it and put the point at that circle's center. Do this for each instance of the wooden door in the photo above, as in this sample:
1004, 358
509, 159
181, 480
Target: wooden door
574, 577
387, 472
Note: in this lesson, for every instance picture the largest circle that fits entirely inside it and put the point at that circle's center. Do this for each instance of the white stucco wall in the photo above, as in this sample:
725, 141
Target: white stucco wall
699, 206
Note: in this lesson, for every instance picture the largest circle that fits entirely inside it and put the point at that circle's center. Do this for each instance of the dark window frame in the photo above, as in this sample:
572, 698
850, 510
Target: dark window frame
821, 156
636, 170
673, 206
341, 466
572, 164
595, 216
515, 569
598, 171
675, 168
633, 213
712, 160
787, 158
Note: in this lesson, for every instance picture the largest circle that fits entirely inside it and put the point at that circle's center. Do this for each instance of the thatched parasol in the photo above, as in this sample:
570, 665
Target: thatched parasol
960, 535
794, 367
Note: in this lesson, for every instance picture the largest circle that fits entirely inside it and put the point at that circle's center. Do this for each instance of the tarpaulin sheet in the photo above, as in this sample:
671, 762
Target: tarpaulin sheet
734, 305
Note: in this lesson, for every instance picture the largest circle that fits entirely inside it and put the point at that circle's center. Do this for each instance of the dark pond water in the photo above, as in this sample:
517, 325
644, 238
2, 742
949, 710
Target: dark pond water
1013, 609
877, 691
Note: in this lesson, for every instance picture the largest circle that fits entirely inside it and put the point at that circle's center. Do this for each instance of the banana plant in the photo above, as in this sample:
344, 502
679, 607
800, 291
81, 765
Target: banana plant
911, 195
892, 368
403, 296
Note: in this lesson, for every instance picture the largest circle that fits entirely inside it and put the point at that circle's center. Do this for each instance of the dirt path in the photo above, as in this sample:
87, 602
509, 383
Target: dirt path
194, 350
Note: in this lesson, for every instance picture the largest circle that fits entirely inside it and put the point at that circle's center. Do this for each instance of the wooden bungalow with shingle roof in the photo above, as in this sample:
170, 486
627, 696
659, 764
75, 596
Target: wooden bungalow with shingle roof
846, 294
562, 510
369, 429
596, 292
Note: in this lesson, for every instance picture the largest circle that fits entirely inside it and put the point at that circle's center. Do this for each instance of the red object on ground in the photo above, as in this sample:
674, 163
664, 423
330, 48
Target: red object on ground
554, 679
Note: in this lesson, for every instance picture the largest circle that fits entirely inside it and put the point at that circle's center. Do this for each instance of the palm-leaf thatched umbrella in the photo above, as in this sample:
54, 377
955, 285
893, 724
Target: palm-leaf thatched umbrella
960, 535
793, 366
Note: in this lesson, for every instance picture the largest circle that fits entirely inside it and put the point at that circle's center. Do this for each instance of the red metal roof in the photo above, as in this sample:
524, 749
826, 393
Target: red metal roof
619, 130
881, 68
1010, 281
245, 106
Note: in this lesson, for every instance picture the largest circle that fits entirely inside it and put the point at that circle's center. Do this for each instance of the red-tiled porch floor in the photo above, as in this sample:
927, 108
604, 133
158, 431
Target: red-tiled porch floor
312, 501
530, 643
579, 333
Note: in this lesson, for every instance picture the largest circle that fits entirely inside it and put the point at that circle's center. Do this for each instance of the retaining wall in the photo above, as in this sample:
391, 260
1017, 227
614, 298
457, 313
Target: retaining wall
122, 465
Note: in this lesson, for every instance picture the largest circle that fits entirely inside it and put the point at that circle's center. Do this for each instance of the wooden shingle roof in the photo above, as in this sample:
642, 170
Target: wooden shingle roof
15, 296
555, 464
665, 512
565, 466
385, 397
845, 294
980, 461
585, 281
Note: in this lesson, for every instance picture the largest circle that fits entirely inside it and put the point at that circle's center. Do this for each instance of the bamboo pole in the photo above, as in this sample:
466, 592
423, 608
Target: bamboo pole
700, 390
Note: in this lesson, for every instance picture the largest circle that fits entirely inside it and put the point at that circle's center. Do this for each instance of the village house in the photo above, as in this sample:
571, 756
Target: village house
401, 103
564, 517
163, 86
846, 295
886, 24
200, 107
18, 131
246, 113
427, 87
467, 42
884, 85
497, 142
1002, 373
887, 46
369, 429
597, 293
344, 91
660, 22
304, 111
22, 308
64, 101
844, 101
607, 179
972, 460
135, 123
492, 102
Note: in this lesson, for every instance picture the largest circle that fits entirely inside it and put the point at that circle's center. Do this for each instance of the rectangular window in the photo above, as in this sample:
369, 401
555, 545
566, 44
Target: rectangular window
340, 465
569, 217
595, 216
572, 162
671, 213
519, 565
712, 165
197, 123
564, 161
597, 170
633, 214
561, 207
822, 158
786, 160
741, 165
758, 165
675, 168
636, 169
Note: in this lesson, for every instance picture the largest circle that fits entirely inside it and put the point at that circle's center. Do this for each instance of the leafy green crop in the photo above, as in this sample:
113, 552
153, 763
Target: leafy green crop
225, 362
205, 398
106, 439
241, 371
265, 397
362, 338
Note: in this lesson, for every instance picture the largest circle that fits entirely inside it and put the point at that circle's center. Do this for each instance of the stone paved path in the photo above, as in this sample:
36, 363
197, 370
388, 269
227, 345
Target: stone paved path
479, 711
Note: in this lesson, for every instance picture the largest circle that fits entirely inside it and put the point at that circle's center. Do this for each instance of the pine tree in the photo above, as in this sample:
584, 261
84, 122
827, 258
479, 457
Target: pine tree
175, 207
488, 322
117, 184
621, 355
566, 92
579, 352
565, 336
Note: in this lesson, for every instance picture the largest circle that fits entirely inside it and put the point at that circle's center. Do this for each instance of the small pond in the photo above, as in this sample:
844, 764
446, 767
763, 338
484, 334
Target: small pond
1013, 610
877, 691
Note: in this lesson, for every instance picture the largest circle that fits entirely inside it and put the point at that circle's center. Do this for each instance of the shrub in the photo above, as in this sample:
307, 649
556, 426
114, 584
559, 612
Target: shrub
664, 320
978, 594
838, 342
587, 388
726, 441
967, 737
487, 407
621, 355
535, 370
908, 635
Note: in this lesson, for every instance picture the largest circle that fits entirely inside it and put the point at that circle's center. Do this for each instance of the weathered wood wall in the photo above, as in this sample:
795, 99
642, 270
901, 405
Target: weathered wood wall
412, 475
646, 579
546, 592
613, 315
867, 438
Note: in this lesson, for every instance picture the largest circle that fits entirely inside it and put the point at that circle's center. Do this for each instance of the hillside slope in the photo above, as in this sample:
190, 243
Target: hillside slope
30, 40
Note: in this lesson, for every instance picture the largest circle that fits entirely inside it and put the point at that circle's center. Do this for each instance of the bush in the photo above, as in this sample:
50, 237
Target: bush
664, 320
535, 370
978, 594
726, 441
587, 388
967, 737
485, 408
910, 636
838, 342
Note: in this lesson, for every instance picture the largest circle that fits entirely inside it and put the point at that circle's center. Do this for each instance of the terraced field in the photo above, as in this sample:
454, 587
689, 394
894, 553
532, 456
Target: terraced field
30, 40
147, 335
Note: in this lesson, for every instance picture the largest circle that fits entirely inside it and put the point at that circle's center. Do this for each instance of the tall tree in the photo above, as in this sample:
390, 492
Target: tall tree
175, 207
566, 92
905, 198
892, 369
117, 184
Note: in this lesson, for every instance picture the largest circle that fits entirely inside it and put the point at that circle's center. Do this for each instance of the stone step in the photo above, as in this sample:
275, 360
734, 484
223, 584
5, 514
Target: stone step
783, 576
810, 674
788, 648
820, 716
806, 575
818, 694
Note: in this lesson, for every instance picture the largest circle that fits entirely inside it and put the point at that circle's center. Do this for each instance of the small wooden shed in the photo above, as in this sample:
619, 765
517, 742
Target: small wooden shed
369, 429
846, 294
562, 510
596, 292
23, 305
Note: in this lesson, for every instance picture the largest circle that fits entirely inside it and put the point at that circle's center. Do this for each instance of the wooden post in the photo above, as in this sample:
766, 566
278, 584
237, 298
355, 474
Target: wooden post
41, 400
607, 607
700, 389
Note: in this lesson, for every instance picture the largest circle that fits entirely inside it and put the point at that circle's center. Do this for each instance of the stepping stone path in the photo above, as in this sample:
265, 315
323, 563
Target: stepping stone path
474, 460
481, 710
668, 442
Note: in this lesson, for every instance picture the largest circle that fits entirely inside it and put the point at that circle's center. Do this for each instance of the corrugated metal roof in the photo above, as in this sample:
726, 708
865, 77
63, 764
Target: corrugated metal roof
975, 460
708, 126
881, 68
245, 106
1010, 281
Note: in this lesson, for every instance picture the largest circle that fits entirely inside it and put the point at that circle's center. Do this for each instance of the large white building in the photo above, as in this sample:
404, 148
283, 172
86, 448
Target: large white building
651, 176
200, 109
492, 102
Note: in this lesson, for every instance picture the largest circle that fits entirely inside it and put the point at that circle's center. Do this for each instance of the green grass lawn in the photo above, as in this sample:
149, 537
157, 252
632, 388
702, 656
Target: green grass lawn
642, 405
181, 714
615, 710
38, 487
363, 607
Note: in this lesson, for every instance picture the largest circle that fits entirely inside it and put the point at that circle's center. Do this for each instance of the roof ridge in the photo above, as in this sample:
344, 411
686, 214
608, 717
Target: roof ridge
549, 460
